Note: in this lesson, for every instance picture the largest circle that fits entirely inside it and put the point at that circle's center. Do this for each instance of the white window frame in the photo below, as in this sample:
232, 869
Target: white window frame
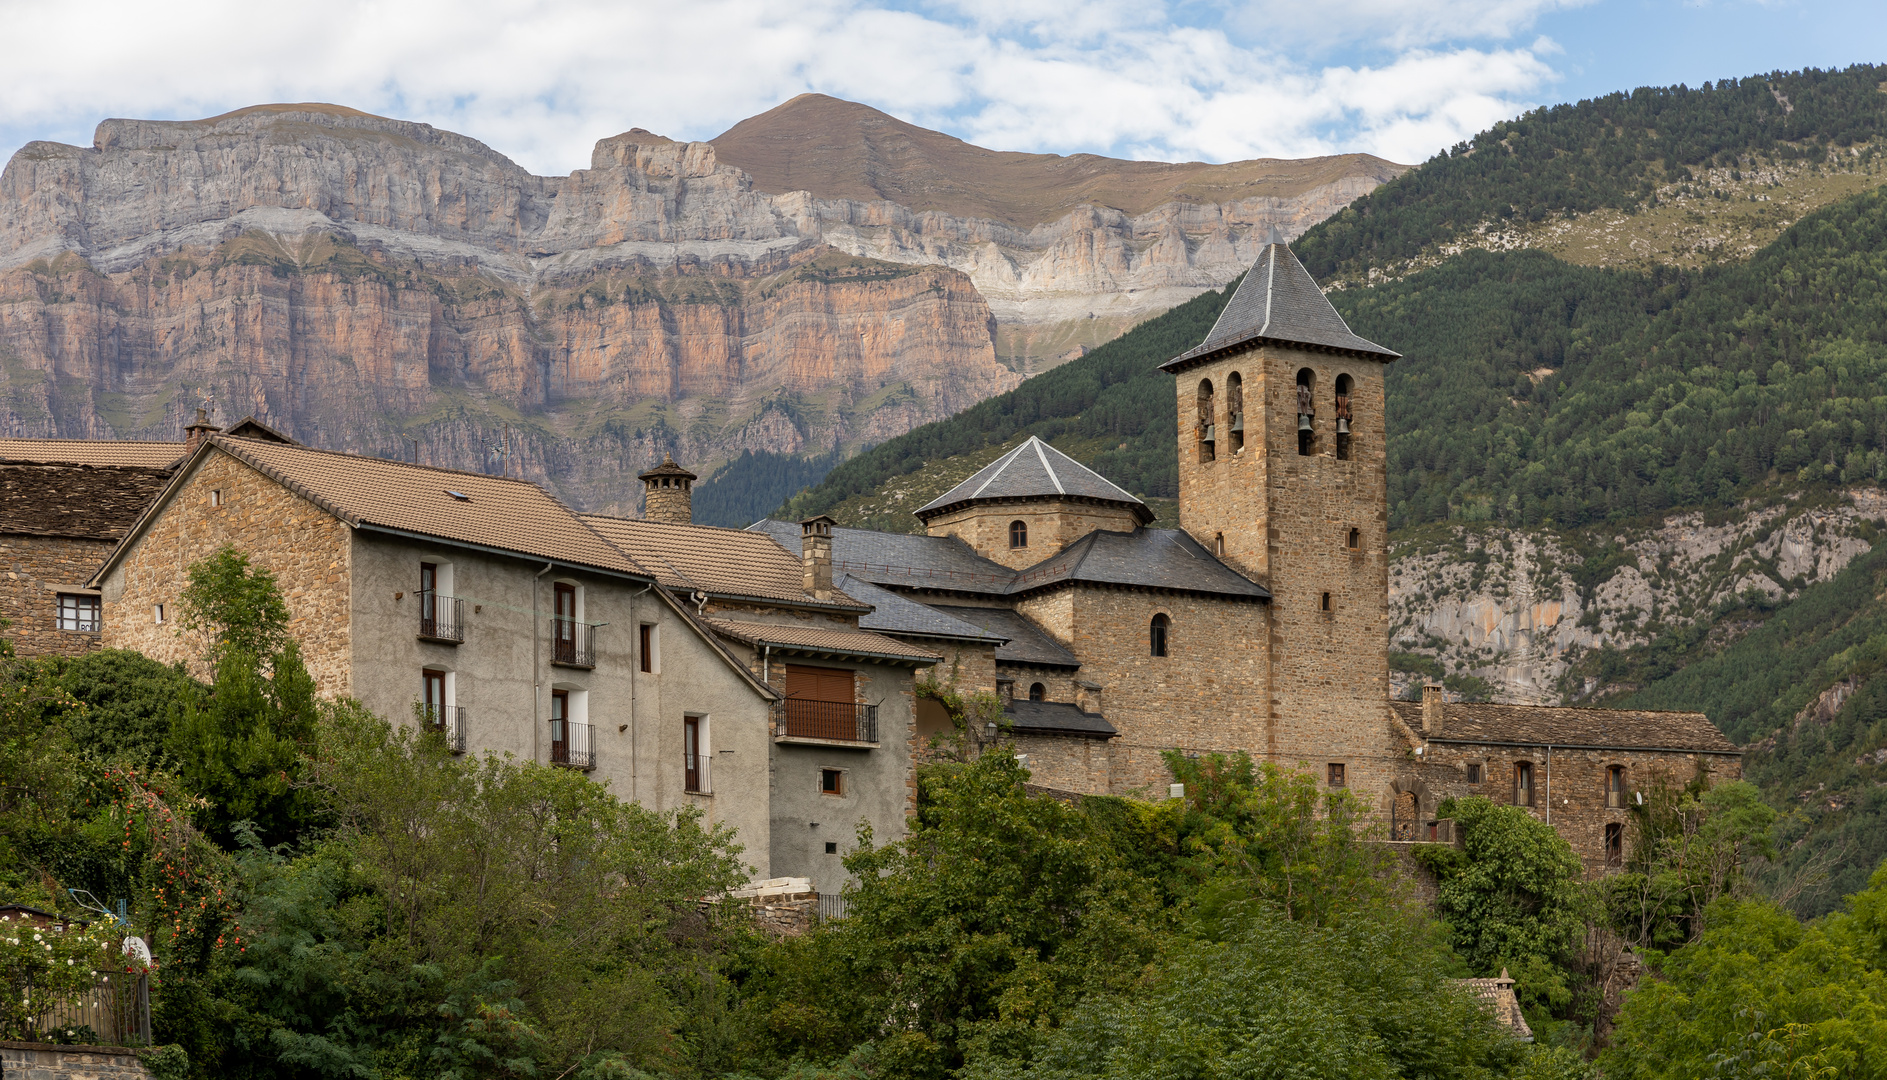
77, 623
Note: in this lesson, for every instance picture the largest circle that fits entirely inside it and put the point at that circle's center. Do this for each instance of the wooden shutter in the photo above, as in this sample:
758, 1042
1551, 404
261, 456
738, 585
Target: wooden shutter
818, 684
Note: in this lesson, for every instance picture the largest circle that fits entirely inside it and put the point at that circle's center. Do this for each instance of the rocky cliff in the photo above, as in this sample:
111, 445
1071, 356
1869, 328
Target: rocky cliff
374, 284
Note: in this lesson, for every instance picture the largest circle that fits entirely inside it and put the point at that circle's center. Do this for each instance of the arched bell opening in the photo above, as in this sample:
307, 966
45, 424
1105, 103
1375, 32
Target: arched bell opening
1306, 412
1205, 430
1345, 388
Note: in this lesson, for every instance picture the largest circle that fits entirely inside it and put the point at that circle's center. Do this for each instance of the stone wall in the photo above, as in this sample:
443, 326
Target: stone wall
47, 1061
1068, 762
304, 546
1052, 525
37, 569
1570, 794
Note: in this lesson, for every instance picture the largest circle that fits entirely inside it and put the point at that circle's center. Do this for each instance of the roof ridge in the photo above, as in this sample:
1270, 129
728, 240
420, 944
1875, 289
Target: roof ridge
1043, 458
748, 531
304, 448
999, 466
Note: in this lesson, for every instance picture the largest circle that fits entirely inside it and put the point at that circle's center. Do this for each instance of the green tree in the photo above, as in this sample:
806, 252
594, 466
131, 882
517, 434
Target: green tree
234, 607
1690, 847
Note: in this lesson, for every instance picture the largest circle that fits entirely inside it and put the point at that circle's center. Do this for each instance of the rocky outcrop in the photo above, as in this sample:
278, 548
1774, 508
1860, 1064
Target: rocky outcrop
362, 282
1518, 609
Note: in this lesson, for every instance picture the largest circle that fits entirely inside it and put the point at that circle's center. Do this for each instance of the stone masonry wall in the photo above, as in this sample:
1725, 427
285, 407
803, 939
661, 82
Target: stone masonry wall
1068, 762
46, 1061
1571, 794
1207, 694
37, 569
1285, 520
1053, 524
304, 546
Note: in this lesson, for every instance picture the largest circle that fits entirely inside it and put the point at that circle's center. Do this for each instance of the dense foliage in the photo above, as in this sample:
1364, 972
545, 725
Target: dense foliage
747, 488
1604, 152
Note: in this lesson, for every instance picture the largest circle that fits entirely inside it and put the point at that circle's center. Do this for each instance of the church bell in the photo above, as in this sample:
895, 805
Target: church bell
1343, 425
1303, 421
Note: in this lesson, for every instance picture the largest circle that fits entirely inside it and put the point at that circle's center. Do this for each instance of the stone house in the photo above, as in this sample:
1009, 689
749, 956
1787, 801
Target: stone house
482, 608
64, 504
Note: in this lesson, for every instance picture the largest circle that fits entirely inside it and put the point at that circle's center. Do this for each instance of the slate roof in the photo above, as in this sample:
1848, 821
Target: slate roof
1278, 301
1034, 470
732, 563
925, 562
1497, 997
1028, 643
60, 499
852, 643
497, 513
1541, 725
893, 614
114, 452
1152, 558
1058, 717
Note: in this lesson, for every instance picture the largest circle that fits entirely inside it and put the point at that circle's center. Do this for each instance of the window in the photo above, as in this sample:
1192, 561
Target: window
157, 614
1306, 412
77, 612
1474, 773
1038, 692
694, 755
1334, 773
1018, 534
645, 643
1615, 787
1207, 433
832, 781
832, 848
1156, 635
216, 497
1218, 544
1344, 388
1523, 783
432, 697
1615, 844
1355, 539
1325, 603
1235, 412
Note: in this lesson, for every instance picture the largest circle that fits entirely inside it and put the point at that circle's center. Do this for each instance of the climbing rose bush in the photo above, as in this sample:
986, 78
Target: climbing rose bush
43, 965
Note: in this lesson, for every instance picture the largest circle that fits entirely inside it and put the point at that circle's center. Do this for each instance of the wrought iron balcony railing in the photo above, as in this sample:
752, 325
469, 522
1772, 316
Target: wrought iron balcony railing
441, 618
842, 721
446, 720
572, 644
695, 778
570, 745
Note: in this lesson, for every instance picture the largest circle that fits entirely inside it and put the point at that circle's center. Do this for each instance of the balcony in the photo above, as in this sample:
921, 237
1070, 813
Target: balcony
570, 745
446, 720
695, 777
572, 644
830, 721
441, 618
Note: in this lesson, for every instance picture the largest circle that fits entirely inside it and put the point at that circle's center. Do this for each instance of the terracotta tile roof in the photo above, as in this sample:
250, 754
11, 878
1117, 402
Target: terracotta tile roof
1279, 301
114, 452
725, 562
822, 640
1541, 725
57, 499
509, 515
1034, 470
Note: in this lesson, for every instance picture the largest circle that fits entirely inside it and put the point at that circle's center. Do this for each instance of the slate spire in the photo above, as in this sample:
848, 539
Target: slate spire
1033, 470
1279, 301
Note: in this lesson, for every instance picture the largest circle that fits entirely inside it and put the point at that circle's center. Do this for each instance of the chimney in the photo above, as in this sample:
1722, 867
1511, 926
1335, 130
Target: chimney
815, 555
1432, 705
198, 431
1088, 697
668, 493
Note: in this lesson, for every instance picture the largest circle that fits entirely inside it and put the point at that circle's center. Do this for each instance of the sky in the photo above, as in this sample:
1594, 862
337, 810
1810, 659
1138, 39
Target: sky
1204, 80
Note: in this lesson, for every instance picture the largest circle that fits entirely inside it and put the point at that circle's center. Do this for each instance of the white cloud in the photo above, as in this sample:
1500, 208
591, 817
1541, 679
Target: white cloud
542, 80
1395, 24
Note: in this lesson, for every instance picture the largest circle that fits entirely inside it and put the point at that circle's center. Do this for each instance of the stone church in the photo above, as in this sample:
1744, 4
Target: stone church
1261, 624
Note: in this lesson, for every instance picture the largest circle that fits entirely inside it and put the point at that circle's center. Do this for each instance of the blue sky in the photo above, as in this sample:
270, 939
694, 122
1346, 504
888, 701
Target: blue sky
1217, 80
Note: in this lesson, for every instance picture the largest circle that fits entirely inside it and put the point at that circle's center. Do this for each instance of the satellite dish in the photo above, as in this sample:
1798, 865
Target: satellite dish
136, 949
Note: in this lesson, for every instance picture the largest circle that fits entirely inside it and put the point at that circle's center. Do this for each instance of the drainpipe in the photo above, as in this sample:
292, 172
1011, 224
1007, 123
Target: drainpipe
537, 666
635, 665
1549, 783
766, 670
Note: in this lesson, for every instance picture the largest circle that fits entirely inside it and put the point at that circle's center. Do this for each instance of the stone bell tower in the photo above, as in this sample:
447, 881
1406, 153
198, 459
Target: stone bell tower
1282, 475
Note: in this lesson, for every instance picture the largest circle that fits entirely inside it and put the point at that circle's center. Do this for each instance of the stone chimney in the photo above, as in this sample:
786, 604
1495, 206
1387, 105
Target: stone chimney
1432, 705
199, 430
668, 493
815, 555
1088, 696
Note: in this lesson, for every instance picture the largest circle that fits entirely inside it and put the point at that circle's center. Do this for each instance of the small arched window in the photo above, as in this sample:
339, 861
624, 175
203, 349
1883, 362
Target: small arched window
1615, 844
1306, 412
1207, 430
1615, 787
1523, 783
1235, 412
1218, 544
1018, 534
1345, 387
1157, 634
1355, 539
1038, 692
